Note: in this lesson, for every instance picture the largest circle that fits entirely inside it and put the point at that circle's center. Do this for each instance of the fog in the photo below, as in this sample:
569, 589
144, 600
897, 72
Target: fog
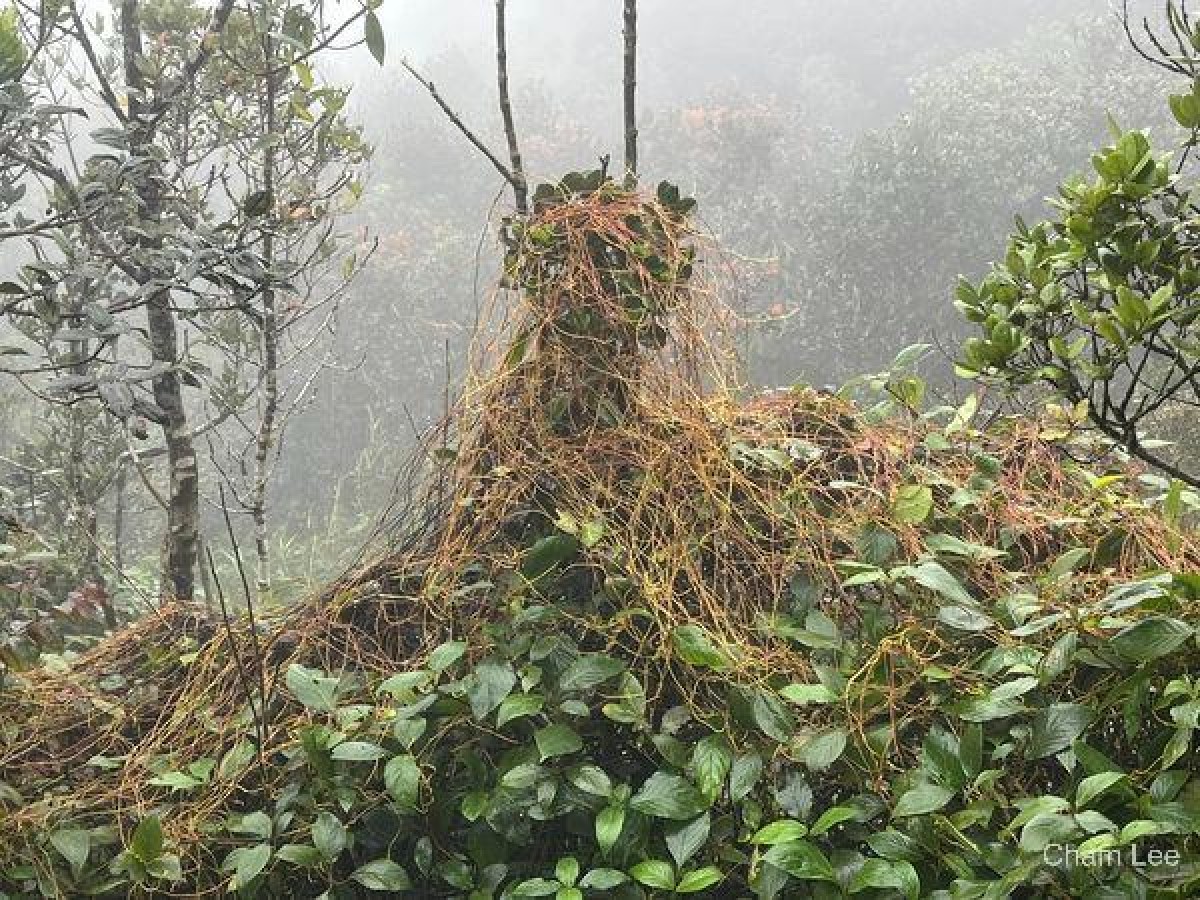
851, 160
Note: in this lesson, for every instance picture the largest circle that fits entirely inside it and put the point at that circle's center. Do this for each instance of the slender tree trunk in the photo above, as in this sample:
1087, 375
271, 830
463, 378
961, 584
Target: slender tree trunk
183, 495
519, 182
265, 439
631, 130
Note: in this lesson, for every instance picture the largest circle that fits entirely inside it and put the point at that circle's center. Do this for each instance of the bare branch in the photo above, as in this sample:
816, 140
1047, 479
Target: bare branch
458, 123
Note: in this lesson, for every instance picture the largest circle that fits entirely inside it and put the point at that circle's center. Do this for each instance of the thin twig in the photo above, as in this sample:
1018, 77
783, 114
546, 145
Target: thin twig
458, 123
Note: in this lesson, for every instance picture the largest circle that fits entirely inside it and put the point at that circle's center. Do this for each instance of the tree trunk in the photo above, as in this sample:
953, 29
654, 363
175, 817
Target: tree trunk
183, 495
265, 438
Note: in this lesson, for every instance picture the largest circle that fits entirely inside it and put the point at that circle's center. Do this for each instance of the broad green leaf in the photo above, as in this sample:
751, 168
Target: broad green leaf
557, 740
358, 751
247, 863
382, 875
147, 840
805, 694
935, 577
74, 844
1056, 728
603, 879
921, 800
445, 655
824, 749
373, 32
313, 689
487, 687
832, 817
1095, 786
665, 796
882, 874
698, 880
781, 831
685, 840
711, 760
609, 822
517, 706
912, 504
1152, 638
591, 780
744, 775
329, 835
654, 873
695, 647
402, 778
590, 670
801, 860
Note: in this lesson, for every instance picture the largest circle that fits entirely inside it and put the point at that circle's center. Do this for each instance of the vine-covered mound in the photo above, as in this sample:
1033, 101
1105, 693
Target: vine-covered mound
636, 637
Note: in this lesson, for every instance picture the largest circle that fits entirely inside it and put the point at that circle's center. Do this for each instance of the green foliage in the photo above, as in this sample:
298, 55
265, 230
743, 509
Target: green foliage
1098, 303
934, 758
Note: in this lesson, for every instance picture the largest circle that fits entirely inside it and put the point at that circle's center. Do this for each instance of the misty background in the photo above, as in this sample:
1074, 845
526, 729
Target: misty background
851, 160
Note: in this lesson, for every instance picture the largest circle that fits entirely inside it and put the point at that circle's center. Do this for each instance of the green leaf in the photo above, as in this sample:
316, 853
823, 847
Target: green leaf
1152, 638
882, 874
567, 870
654, 873
781, 831
536, 887
487, 687
74, 844
547, 555
1096, 785
329, 835
235, 761
832, 817
557, 740
666, 796
402, 778
744, 775
373, 33
445, 655
247, 863
382, 875
824, 749
696, 648
933, 575
518, 706
522, 777
921, 800
802, 860
912, 504
313, 689
589, 670
805, 694
1056, 728
591, 780
712, 760
358, 751
603, 879
299, 855
698, 880
147, 841
684, 841
609, 822
176, 781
